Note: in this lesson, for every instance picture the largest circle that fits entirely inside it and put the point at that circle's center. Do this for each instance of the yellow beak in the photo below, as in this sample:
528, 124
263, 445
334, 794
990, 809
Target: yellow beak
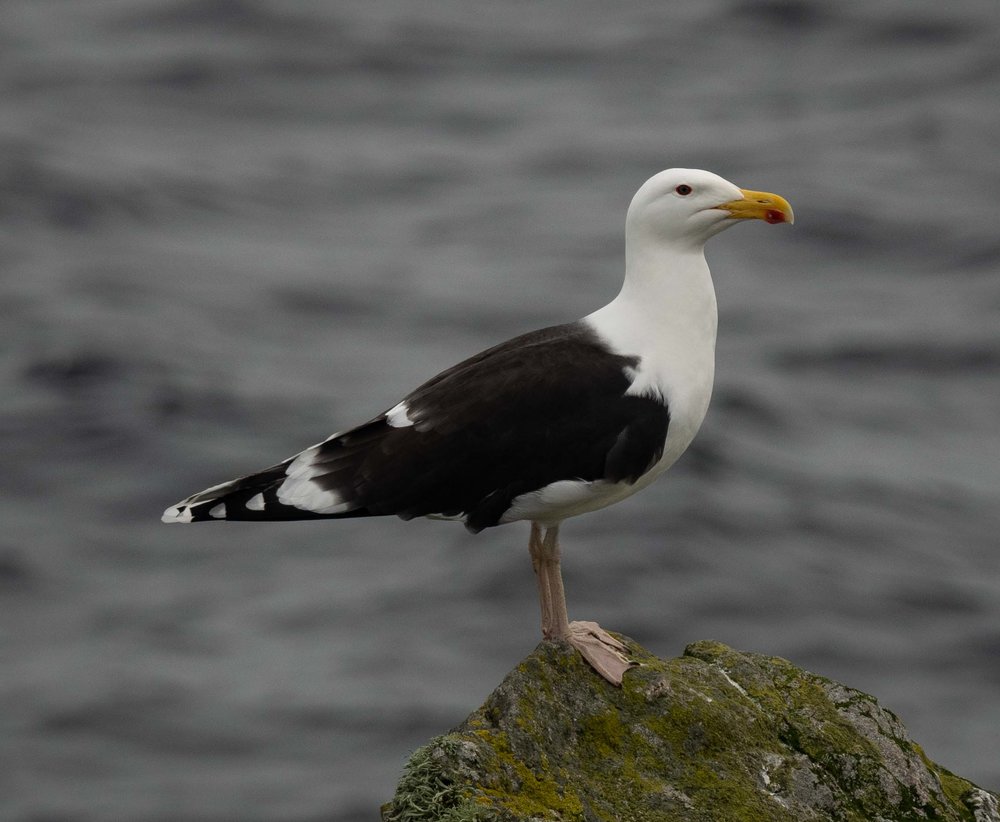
760, 205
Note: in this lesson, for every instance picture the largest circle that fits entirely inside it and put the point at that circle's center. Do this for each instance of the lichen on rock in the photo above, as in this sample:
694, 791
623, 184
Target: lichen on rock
715, 734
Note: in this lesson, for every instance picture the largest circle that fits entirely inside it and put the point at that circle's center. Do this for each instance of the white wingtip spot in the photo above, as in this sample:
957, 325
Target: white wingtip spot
397, 416
218, 512
256, 503
177, 513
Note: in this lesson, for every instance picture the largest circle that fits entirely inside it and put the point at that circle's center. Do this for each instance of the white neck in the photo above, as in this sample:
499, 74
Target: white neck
667, 303
666, 314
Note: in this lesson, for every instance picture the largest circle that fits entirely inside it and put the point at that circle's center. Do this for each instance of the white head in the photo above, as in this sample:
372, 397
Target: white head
684, 207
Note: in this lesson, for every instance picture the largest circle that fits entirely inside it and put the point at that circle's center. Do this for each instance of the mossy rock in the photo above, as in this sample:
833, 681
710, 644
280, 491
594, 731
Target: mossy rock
713, 735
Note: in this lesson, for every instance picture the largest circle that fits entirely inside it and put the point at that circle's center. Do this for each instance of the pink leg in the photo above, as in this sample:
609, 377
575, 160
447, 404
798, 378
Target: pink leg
557, 593
604, 653
537, 550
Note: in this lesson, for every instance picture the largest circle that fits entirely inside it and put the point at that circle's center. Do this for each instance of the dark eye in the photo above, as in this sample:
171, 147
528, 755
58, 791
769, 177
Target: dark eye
683, 189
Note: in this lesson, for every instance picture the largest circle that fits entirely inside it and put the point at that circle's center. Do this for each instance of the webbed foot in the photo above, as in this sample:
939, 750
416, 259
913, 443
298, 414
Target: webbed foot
605, 654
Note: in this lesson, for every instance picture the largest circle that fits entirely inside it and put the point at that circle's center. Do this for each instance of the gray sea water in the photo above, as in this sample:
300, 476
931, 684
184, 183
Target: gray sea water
231, 227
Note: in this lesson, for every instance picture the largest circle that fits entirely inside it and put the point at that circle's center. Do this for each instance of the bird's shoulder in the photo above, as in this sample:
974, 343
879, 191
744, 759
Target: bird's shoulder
561, 360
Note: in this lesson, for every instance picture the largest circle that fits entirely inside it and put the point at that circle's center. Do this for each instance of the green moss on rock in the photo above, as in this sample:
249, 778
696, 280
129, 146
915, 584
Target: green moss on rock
715, 734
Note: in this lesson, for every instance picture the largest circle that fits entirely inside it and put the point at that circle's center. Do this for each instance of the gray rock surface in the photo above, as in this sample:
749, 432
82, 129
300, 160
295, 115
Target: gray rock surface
715, 734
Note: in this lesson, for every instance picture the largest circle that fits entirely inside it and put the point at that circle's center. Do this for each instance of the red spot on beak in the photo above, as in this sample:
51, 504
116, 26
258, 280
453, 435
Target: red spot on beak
772, 216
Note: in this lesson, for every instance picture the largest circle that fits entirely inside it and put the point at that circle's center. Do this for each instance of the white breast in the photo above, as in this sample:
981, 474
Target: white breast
666, 315
668, 318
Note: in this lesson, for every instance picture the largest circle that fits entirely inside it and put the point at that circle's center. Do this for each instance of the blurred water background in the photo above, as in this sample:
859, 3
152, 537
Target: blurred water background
231, 227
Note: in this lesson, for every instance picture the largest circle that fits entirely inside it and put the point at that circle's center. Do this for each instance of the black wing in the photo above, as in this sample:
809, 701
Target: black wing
546, 406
